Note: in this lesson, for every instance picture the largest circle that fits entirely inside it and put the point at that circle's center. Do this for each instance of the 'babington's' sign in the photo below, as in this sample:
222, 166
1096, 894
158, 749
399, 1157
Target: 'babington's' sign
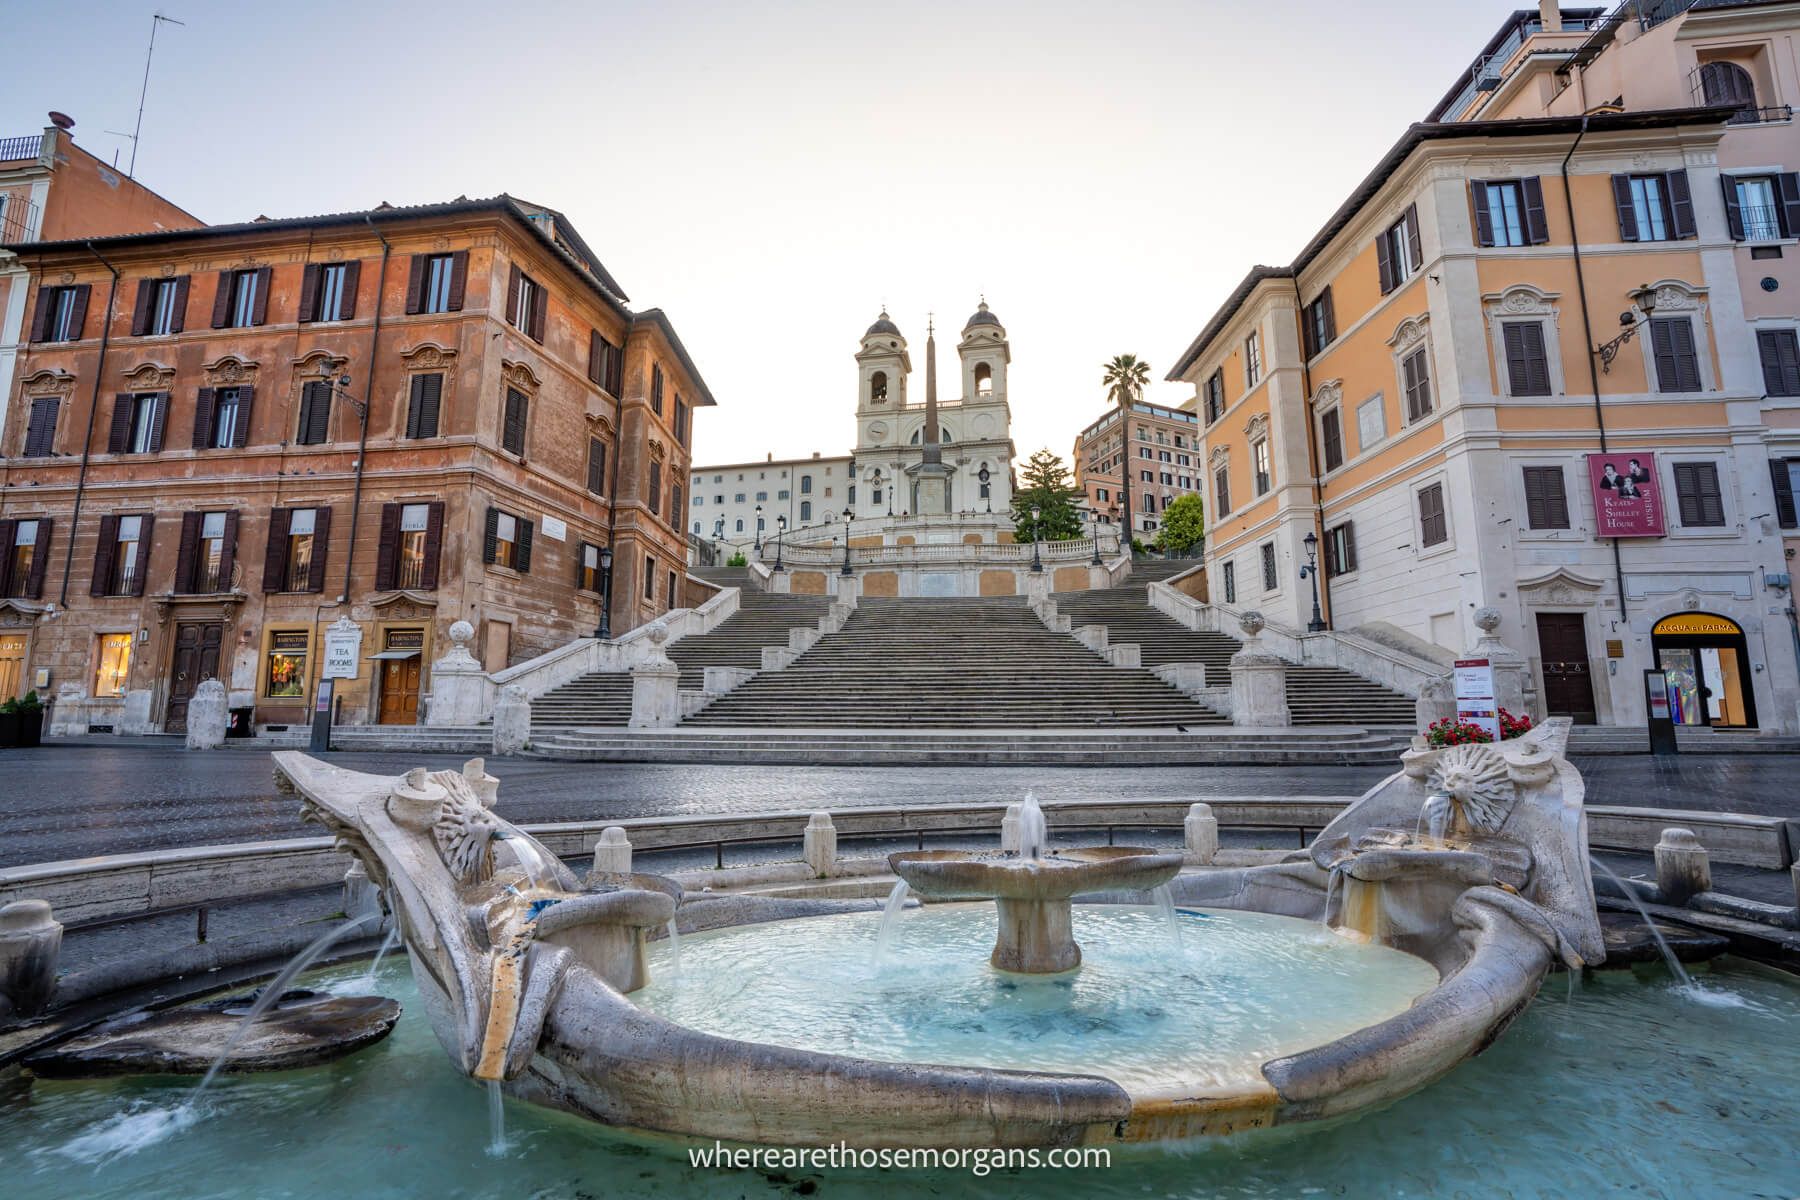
1627, 494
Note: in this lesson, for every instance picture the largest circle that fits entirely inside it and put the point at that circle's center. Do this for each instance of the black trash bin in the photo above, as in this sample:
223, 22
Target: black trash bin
242, 723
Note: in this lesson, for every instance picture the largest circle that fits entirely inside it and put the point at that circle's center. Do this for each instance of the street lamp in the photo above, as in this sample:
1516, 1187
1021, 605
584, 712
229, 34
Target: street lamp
604, 632
1094, 527
1037, 532
759, 528
1645, 299
780, 528
986, 493
1311, 571
847, 516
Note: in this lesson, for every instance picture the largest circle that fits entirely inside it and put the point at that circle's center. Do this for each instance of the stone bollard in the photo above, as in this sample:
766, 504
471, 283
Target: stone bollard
1682, 867
207, 715
820, 845
1201, 833
30, 943
361, 897
512, 720
612, 853
1009, 829
1258, 681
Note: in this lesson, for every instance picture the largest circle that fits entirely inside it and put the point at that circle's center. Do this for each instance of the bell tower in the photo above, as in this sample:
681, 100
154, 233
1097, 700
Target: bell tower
882, 365
985, 355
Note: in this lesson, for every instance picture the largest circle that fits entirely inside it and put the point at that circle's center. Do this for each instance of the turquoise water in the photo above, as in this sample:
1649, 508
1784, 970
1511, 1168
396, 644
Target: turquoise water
1625, 1088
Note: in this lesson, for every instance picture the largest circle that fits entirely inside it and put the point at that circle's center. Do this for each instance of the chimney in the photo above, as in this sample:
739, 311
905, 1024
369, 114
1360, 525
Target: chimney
1550, 13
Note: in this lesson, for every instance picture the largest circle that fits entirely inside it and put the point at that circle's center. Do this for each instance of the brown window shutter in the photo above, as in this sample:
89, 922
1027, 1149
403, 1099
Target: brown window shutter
40, 432
40, 560
512, 429
459, 279
246, 412
434, 544
222, 301
1537, 227
78, 311
1330, 316
1778, 348
423, 405
352, 279
187, 550
1527, 370
309, 292
1681, 204
321, 550
104, 550
118, 439
181, 299
596, 356
140, 312
1783, 479
490, 536
1734, 209
315, 414
158, 420
146, 527
581, 549
540, 305
522, 550
1384, 260
40, 315
275, 553
1621, 185
413, 402
512, 292
596, 475
203, 417
1484, 220
1415, 252
1787, 192
259, 315
387, 550
9, 529
415, 284
228, 551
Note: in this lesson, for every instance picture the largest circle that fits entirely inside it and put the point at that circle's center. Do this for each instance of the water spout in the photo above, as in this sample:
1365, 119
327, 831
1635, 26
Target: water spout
890, 918
1331, 886
496, 1147
1434, 818
1164, 899
1685, 981
1034, 834
540, 873
674, 948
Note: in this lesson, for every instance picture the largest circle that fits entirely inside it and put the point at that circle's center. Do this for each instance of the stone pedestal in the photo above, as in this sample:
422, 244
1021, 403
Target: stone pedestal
136, 720
820, 845
512, 721
207, 716
612, 853
461, 693
1258, 681
1201, 833
30, 943
1035, 937
655, 695
1682, 867
1512, 676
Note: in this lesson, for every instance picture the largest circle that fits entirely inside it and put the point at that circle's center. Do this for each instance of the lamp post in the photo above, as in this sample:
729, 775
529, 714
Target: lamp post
847, 517
780, 528
1094, 526
1037, 532
759, 528
1645, 299
1311, 571
986, 492
604, 632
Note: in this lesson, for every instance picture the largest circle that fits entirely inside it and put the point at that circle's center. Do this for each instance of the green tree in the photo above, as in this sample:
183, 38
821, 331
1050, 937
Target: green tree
1183, 525
1047, 485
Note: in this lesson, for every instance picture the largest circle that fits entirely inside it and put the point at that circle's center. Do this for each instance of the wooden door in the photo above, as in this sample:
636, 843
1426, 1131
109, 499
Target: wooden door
196, 658
12, 665
1568, 684
400, 691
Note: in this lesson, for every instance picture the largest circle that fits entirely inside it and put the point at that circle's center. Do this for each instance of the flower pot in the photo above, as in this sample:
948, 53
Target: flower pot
10, 730
31, 727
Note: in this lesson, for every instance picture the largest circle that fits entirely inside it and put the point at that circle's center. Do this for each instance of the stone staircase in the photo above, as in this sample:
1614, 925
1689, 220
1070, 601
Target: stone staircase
1315, 695
951, 664
762, 619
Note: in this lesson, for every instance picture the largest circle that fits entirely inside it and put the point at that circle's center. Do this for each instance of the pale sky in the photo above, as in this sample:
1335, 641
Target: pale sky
771, 173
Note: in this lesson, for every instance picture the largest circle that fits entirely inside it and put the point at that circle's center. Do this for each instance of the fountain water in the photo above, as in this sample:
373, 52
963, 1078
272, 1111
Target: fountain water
1164, 899
540, 873
496, 1147
890, 918
1034, 833
674, 947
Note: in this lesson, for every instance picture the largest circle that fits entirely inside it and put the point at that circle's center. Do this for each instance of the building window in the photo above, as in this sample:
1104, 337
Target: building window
1779, 348
526, 302
1697, 492
1331, 434
681, 419
61, 314
606, 364
1215, 401
1415, 375
243, 298
806, 507
656, 488
782, 494
587, 567
221, 418
1252, 365
1318, 325
423, 404
40, 429
120, 558
508, 541
670, 597
1723, 83
1510, 212
1546, 502
512, 427
1222, 489
286, 678
1654, 208
315, 413
411, 536
1785, 475
437, 283
1434, 530
162, 305
112, 665
326, 293
656, 390
24, 563
138, 419
1677, 361
1149, 502
1397, 251
596, 468
740, 525
806, 485
1340, 549
1762, 208
649, 577
1271, 580
1231, 583
1371, 422
207, 568
675, 503
302, 522
1527, 365
1259, 455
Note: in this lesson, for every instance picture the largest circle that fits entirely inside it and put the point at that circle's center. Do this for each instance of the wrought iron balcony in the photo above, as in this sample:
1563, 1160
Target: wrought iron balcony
18, 219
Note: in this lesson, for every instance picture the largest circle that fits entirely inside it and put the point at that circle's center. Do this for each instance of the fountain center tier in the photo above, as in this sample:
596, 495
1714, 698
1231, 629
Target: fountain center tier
1032, 896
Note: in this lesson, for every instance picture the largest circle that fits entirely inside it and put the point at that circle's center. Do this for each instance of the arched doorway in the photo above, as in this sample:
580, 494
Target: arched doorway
1706, 660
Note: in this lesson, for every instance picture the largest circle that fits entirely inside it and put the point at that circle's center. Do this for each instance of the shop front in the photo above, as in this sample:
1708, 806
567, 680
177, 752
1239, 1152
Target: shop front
1706, 661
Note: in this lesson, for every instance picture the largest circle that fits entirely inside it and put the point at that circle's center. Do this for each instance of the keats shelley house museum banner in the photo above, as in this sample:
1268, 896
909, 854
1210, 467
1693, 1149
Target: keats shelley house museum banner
1627, 494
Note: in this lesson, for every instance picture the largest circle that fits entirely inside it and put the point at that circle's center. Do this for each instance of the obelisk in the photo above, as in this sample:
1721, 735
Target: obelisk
931, 480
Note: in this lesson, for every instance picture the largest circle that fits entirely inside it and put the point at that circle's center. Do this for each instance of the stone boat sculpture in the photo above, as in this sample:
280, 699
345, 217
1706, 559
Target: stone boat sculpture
526, 972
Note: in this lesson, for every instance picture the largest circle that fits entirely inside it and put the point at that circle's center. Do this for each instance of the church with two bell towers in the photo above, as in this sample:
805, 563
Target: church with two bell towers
933, 457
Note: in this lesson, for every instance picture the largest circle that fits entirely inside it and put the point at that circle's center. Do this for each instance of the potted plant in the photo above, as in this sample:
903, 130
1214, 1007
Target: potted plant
22, 721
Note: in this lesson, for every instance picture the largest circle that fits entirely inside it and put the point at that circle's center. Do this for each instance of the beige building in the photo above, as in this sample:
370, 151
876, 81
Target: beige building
1160, 446
741, 505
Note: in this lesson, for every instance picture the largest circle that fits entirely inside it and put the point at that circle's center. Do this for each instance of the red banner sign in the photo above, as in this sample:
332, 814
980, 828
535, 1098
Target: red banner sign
1627, 494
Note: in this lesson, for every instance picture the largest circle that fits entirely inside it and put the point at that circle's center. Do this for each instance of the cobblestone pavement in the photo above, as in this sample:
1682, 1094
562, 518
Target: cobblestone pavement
71, 801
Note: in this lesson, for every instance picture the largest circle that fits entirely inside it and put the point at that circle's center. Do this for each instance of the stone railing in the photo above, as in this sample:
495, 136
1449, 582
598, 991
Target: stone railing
1011, 554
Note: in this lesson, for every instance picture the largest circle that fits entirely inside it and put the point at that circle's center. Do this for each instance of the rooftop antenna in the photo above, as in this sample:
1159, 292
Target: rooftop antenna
157, 19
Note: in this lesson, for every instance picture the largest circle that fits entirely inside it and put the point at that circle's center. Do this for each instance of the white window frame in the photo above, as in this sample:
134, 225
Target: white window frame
1675, 298
1448, 545
1272, 550
1576, 495
1521, 302
1728, 493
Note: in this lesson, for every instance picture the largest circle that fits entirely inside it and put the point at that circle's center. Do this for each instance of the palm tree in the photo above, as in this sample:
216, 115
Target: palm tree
1126, 378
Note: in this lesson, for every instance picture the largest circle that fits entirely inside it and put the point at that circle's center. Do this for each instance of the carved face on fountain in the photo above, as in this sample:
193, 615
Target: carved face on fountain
1476, 779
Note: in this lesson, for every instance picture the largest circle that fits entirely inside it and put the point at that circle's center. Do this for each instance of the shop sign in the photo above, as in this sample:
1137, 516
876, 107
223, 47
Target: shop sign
343, 649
